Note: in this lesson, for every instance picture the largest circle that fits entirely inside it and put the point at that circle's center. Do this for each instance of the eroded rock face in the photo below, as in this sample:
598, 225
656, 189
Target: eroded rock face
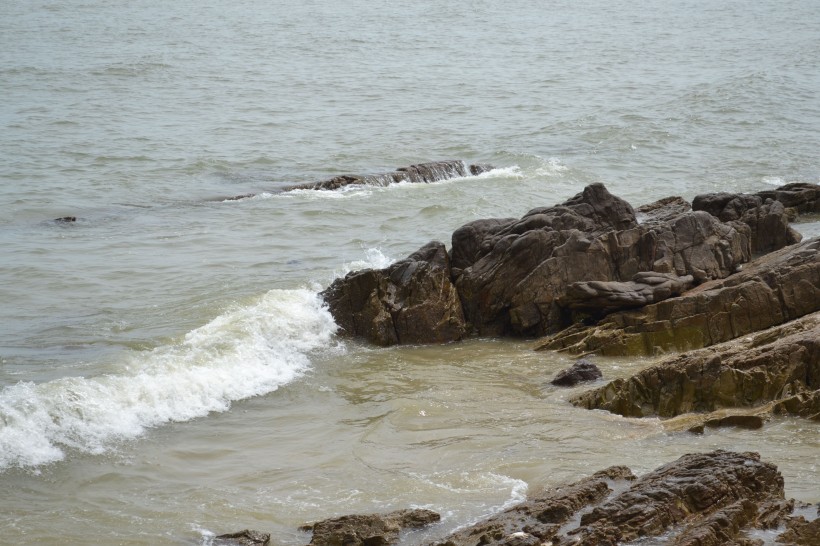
412, 301
369, 530
780, 365
701, 499
521, 269
772, 290
767, 218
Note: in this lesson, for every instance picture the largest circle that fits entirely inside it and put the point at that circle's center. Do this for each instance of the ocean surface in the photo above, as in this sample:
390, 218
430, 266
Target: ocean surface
167, 370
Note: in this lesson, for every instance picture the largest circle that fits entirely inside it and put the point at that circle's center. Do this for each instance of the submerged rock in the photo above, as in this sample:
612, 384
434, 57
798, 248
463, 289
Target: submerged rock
581, 371
369, 530
420, 173
701, 499
434, 171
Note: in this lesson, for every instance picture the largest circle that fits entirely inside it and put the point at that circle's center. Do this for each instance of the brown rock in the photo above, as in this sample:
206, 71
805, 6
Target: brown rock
541, 517
801, 532
369, 530
663, 210
513, 274
701, 499
247, 537
602, 297
772, 290
420, 173
775, 365
581, 371
767, 218
802, 197
412, 301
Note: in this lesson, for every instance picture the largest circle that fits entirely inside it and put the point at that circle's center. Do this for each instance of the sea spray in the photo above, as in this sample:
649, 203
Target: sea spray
245, 352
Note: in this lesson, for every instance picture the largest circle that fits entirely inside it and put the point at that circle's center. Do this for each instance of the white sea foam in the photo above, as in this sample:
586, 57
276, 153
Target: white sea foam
773, 180
374, 258
246, 352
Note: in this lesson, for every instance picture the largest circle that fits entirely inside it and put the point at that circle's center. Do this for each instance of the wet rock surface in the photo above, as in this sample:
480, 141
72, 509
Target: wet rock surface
774, 289
781, 365
700, 499
581, 371
434, 171
370, 529
522, 269
412, 301
576, 261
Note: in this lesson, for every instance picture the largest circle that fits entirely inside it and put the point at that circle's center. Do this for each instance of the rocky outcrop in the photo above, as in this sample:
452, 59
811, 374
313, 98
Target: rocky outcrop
368, 530
412, 301
701, 499
511, 275
767, 218
772, 290
781, 365
581, 371
541, 517
590, 259
800, 196
421, 173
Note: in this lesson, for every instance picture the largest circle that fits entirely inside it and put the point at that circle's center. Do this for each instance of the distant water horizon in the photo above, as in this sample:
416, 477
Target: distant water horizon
167, 369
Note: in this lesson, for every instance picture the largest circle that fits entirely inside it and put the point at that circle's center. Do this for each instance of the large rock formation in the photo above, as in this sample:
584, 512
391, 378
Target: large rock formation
774, 289
780, 365
412, 301
512, 275
699, 500
577, 262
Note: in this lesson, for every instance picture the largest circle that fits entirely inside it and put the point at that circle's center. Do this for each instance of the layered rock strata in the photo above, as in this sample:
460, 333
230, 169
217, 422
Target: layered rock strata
701, 499
774, 289
780, 366
556, 265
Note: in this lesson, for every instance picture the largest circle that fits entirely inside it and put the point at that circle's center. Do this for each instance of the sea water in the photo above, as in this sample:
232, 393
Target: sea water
167, 370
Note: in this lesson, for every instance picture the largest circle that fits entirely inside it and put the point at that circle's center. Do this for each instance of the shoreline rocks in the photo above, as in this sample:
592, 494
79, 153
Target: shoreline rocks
780, 365
700, 499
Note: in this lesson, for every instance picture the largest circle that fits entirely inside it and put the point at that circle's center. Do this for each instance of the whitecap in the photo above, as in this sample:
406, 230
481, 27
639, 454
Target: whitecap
246, 352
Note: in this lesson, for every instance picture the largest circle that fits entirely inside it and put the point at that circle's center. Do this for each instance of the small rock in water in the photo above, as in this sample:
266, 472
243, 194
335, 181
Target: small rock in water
581, 371
247, 537
368, 530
